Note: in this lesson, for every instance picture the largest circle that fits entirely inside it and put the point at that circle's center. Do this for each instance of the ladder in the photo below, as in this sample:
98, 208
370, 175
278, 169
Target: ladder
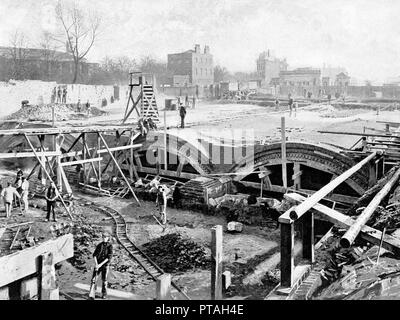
148, 107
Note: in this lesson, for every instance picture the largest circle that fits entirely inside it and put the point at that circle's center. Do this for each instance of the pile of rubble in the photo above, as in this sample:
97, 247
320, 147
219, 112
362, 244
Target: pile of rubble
62, 112
85, 237
174, 253
366, 279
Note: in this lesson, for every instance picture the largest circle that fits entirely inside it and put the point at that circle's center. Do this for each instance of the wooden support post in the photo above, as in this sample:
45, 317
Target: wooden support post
48, 175
216, 260
283, 148
99, 163
372, 174
48, 284
297, 176
91, 163
119, 168
84, 156
308, 236
287, 254
165, 140
58, 170
163, 287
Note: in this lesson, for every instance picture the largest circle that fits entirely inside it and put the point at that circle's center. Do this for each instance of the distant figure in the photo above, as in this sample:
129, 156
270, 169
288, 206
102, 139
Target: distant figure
277, 104
51, 197
193, 102
309, 94
53, 95
64, 95
290, 103
78, 106
59, 93
25, 193
329, 98
88, 107
182, 113
8, 194
186, 101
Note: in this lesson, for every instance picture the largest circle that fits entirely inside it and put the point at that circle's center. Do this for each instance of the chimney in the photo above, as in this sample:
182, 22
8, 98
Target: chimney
206, 49
197, 48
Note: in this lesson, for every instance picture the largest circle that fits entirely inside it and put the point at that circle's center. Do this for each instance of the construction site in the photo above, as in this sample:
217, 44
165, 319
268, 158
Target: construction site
260, 203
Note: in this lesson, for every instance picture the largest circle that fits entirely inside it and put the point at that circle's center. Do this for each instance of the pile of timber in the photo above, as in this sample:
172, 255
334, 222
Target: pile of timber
371, 192
196, 189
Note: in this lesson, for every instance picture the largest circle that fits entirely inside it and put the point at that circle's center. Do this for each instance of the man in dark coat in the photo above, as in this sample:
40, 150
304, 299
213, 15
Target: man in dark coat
182, 113
102, 257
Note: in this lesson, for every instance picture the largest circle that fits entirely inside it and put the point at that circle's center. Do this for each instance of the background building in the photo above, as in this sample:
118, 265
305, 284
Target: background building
269, 67
300, 81
41, 64
197, 65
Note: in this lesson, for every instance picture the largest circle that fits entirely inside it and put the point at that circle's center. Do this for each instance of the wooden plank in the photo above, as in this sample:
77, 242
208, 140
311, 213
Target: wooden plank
131, 146
216, 262
67, 129
308, 236
73, 163
367, 233
321, 193
170, 173
11, 155
24, 263
65, 180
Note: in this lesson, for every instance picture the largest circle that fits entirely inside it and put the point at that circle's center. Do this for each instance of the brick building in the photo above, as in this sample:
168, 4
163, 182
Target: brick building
269, 67
41, 64
300, 81
197, 65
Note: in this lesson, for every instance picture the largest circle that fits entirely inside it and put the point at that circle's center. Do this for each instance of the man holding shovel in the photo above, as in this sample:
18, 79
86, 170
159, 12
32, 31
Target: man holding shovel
102, 257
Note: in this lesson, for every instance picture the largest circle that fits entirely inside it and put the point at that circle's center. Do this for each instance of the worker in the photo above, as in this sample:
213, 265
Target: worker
59, 92
88, 107
161, 201
78, 106
277, 104
8, 194
182, 113
51, 197
64, 95
329, 98
18, 185
193, 102
102, 256
187, 101
25, 193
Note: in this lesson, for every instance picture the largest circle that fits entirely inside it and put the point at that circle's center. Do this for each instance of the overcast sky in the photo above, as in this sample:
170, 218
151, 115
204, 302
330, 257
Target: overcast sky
361, 35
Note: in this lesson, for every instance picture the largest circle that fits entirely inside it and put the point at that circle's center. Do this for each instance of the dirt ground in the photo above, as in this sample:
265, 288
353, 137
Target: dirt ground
241, 251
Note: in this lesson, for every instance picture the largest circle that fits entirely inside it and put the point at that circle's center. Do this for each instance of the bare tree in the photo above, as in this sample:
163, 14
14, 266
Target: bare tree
80, 31
49, 54
18, 54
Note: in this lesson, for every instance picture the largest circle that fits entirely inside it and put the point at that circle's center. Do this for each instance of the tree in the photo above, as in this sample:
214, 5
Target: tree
149, 64
79, 31
18, 54
49, 54
220, 74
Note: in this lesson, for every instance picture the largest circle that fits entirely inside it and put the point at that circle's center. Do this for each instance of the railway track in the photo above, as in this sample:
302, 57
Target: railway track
138, 255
